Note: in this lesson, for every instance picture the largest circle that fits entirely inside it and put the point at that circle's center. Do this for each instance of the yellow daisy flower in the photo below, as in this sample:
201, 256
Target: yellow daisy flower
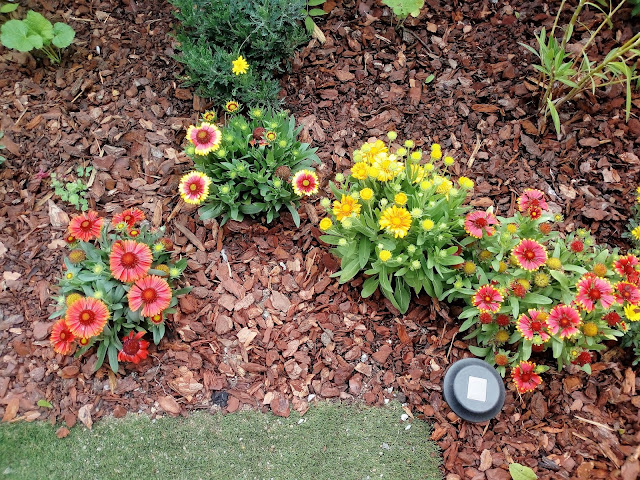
359, 171
396, 221
366, 194
240, 66
346, 207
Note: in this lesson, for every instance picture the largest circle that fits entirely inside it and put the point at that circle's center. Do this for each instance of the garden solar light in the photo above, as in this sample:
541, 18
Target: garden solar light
474, 390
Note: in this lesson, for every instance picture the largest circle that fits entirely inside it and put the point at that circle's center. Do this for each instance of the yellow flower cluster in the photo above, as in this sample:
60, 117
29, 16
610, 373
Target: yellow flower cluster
373, 160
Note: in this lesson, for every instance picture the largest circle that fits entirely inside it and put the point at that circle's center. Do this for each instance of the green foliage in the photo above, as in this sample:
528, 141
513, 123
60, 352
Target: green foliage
213, 33
36, 32
537, 290
564, 74
91, 276
403, 8
309, 24
249, 172
633, 232
9, 7
73, 192
418, 250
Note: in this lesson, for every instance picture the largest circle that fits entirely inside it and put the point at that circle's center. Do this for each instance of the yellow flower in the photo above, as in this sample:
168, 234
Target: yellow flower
444, 187
425, 185
232, 106
638, 190
636, 233
366, 194
388, 168
409, 143
417, 173
400, 198
396, 221
73, 298
512, 228
359, 171
371, 150
465, 182
554, 263
393, 135
209, 116
401, 152
346, 207
448, 161
384, 255
469, 268
373, 172
416, 156
632, 312
427, 224
502, 267
325, 224
240, 66
502, 336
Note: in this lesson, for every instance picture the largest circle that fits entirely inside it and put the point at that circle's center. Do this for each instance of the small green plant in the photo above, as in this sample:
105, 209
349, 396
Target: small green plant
35, 32
397, 219
213, 34
564, 75
249, 167
312, 28
2, 147
403, 8
8, 7
636, 7
73, 192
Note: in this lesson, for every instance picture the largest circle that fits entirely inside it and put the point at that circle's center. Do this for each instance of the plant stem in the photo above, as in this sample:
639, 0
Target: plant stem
574, 18
595, 33
555, 22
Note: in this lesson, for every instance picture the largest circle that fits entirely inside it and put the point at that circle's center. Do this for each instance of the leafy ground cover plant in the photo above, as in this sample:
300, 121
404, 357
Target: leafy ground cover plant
74, 192
248, 167
214, 34
564, 75
537, 291
8, 7
398, 218
117, 285
403, 8
35, 32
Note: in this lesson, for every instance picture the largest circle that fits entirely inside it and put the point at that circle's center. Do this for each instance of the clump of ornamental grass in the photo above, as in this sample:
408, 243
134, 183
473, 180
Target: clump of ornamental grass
118, 284
532, 290
397, 217
248, 167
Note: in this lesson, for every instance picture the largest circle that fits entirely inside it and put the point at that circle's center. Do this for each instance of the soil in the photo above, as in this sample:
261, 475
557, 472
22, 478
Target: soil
265, 326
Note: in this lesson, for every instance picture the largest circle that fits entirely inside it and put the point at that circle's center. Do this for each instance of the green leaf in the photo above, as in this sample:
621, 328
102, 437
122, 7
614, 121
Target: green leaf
315, 3
15, 34
402, 296
467, 324
521, 472
364, 251
39, 25
349, 271
429, 79
294, 213
554, 114
369, 286
113, 358
63, 35
44, 403
536, 299
8, 8
479, 351
315, 12
309, 25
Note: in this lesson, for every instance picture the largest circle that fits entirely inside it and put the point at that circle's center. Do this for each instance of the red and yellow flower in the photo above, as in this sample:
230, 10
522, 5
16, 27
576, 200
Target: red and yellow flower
525, 377
592, 289
194, 187
533, 326
130, 260
205, 137
488, 299
85, 226
134, 349
130, 216
62, 337
477, 223
152, 293
532, 198
564, 321
530, 254
305, 182
627, 292
87, 317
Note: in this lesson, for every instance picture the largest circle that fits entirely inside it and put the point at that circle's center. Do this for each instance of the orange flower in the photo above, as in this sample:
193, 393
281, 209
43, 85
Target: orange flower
152, 293
86, 226
134, 348
62, 338
87, 317
129, 216
130, 260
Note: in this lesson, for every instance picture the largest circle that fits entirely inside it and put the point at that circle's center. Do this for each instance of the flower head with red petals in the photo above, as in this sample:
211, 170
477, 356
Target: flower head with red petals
86, 226
134, 348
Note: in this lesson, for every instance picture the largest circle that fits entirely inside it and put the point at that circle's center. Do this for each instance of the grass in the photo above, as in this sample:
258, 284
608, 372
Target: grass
329, 442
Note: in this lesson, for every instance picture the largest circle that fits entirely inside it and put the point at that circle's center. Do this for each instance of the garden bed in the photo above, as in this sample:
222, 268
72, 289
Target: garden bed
265, 322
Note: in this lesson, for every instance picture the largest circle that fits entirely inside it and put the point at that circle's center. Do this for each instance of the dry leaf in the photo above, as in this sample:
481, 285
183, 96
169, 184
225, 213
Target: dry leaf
169, 405
57, 216
62, 432
12, 409
84, 415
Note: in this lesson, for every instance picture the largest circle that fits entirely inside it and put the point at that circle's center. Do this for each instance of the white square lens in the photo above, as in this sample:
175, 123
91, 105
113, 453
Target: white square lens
477, 389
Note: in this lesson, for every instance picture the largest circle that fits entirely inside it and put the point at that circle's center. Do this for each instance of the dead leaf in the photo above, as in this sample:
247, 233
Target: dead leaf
169, 405
62, 432
12, 409
84, 415
57, 216
486, 460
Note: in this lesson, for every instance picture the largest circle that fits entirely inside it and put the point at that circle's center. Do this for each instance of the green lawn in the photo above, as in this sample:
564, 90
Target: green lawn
329, 442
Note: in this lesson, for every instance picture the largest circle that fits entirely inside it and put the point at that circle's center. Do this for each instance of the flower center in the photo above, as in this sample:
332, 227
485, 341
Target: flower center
594, 294
127, 218
525, 376
481, 222
529, 255
85, 224
536, 326
131, 347
129, 260
149, 295
63, 336
346, 208
203, 136
193, 187
564, 322
396, 222
305, 183
487, 299
86, 317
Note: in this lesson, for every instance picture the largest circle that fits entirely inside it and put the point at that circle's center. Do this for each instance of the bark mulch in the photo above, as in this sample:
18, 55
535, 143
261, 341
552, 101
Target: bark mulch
266, 326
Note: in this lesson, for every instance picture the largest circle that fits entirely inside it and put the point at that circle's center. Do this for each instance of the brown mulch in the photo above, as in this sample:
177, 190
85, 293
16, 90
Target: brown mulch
265, 323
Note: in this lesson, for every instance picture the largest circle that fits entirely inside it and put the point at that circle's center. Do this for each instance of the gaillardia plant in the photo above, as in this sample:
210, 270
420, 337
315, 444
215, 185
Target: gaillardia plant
118, 284
249, 167
399, 218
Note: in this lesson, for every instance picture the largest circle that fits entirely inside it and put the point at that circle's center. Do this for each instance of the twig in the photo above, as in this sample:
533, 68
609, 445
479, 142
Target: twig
476, 149
189, 234
223, 254
597, 424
